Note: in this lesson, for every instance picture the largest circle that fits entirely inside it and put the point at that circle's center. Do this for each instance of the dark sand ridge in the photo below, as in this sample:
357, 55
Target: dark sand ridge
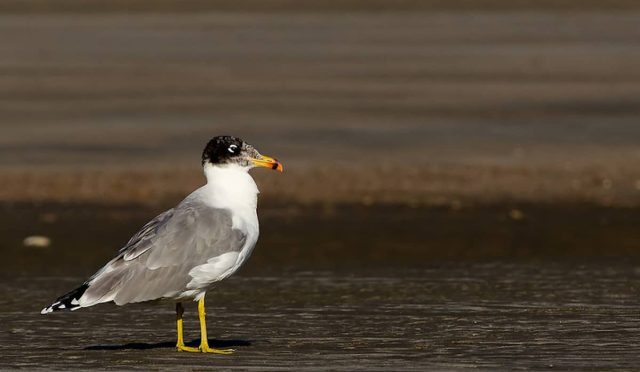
427, 186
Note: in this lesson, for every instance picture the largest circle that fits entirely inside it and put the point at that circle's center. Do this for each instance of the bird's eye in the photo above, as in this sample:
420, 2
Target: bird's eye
232, 149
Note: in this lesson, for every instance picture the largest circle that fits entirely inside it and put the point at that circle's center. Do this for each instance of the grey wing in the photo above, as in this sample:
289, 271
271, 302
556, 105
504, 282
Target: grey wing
157, 261
146, 237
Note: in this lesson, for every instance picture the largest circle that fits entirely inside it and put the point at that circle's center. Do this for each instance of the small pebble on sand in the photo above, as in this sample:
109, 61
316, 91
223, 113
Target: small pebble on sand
36, 241
516, 214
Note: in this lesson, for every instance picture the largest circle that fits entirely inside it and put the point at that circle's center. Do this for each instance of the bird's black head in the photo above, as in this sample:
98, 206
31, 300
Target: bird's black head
223, 150
229, 150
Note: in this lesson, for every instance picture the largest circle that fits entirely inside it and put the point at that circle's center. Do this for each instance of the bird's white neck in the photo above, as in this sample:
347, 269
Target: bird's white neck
230, 186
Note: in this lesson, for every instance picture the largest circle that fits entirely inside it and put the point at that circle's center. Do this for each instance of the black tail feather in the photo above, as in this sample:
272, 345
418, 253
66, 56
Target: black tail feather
68, 301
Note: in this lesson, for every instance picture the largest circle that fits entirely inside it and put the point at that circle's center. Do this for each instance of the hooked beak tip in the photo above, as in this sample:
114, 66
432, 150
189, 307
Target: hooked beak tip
268, 162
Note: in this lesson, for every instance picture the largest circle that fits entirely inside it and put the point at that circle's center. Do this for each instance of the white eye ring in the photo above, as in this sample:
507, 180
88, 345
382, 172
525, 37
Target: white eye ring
232, 149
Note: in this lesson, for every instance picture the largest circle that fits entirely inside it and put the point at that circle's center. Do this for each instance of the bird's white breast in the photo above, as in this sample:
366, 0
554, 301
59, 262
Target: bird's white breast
230, 188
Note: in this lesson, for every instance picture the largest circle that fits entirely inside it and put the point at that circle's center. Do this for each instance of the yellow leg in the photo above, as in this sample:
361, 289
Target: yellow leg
204, 342
180, 344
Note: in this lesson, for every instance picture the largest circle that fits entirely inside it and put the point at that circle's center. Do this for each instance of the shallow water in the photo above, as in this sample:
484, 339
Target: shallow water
488, 316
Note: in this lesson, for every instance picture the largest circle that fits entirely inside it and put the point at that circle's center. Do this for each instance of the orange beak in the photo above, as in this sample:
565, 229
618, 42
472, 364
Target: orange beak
268, 162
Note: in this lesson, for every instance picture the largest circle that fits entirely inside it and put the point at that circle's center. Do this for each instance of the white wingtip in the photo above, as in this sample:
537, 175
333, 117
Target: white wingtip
46, 310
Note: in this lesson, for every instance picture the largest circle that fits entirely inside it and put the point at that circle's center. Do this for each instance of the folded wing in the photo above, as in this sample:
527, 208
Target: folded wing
160, 261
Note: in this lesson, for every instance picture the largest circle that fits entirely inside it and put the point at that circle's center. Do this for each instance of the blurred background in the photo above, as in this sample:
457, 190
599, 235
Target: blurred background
410, 130
416, 135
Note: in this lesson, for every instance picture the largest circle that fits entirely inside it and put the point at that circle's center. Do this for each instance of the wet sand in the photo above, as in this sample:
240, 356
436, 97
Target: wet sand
493, 316
348, 288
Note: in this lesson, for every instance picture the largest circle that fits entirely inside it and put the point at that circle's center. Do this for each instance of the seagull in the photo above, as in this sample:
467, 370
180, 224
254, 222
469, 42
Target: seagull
184, 251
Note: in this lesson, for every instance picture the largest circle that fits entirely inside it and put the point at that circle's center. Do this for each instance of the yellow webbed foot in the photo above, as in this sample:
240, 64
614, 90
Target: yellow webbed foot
207, 349
187, 349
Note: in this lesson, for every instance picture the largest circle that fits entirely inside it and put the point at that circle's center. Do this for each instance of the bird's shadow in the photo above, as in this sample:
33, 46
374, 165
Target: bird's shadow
219, 344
